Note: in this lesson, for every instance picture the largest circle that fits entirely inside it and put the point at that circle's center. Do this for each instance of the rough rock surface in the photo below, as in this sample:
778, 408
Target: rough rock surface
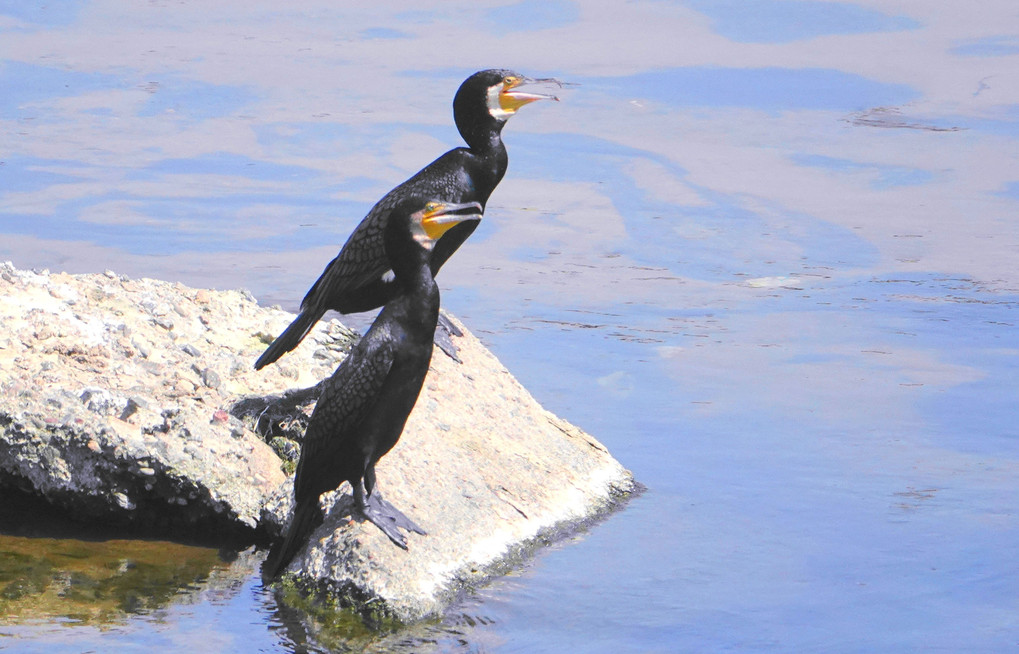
119, 399
114, 397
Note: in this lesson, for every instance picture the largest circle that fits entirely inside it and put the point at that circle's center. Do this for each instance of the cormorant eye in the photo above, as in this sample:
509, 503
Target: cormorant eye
510, 81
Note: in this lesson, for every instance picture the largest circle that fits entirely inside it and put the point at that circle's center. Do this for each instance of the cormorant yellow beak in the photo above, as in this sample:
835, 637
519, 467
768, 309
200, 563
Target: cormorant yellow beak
512, 98
439, 217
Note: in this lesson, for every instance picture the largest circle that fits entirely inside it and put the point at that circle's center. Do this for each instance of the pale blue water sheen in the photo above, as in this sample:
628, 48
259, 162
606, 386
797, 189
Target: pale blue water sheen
765, 21
766, 252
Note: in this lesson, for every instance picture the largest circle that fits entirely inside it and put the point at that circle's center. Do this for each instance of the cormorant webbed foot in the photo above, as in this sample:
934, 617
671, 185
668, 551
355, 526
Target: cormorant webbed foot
445, 330
387, 517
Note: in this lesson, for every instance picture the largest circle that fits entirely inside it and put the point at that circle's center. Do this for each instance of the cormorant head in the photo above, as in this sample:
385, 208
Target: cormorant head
415, 225
487, 99
435, 218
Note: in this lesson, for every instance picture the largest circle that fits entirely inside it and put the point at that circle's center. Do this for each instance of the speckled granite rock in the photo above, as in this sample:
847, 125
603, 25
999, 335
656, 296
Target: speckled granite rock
120, 400
113, 397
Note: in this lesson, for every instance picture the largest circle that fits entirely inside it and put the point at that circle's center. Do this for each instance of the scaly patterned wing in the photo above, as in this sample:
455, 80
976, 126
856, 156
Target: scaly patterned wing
349, 395
361, 261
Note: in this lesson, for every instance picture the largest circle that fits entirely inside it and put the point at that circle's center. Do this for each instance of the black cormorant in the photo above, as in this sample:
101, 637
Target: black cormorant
357, 279
365, 404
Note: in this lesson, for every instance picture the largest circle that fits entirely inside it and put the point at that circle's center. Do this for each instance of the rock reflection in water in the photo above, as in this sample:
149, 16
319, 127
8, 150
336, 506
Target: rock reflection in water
304, 627
54, 568
97, 582
82, 587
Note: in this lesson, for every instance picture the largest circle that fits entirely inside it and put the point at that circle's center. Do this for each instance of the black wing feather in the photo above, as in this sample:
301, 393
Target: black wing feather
348, 396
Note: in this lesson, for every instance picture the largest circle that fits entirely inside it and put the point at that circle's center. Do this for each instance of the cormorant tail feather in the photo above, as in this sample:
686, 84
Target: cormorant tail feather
307, 517
290, 338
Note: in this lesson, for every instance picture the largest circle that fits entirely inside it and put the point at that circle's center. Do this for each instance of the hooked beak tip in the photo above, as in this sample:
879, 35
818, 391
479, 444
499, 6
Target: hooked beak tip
551, 80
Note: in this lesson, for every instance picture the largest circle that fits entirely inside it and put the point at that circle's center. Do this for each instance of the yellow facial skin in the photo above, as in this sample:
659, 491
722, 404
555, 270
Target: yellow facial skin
430, 220
509, 100
437, 218
505, 97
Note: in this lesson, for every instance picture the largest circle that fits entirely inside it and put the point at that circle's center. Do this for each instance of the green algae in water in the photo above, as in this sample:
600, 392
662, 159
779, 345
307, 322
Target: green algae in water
331, 623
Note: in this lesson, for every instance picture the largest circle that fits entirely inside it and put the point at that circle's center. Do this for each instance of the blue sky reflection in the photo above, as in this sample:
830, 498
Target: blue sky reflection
766, 89
764, 21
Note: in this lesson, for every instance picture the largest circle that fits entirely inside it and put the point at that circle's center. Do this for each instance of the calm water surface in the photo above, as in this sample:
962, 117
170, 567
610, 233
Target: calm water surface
765, 251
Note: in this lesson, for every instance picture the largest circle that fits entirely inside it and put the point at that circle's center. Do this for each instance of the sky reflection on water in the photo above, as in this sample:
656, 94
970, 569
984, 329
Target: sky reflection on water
765, 252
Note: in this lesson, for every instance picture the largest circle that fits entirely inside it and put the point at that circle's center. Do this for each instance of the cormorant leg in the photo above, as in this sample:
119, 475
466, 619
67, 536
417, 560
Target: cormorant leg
369, 478
381, 513
445, 329
375, 499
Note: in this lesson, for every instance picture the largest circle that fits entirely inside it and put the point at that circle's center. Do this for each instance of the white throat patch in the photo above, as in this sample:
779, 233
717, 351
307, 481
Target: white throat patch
494, 105
417, 230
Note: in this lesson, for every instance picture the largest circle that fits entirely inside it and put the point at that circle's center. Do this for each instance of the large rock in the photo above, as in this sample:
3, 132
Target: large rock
114, 396
484, 469
121, 400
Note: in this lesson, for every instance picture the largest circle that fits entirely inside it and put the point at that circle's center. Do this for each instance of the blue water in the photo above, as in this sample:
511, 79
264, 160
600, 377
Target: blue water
765, 252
